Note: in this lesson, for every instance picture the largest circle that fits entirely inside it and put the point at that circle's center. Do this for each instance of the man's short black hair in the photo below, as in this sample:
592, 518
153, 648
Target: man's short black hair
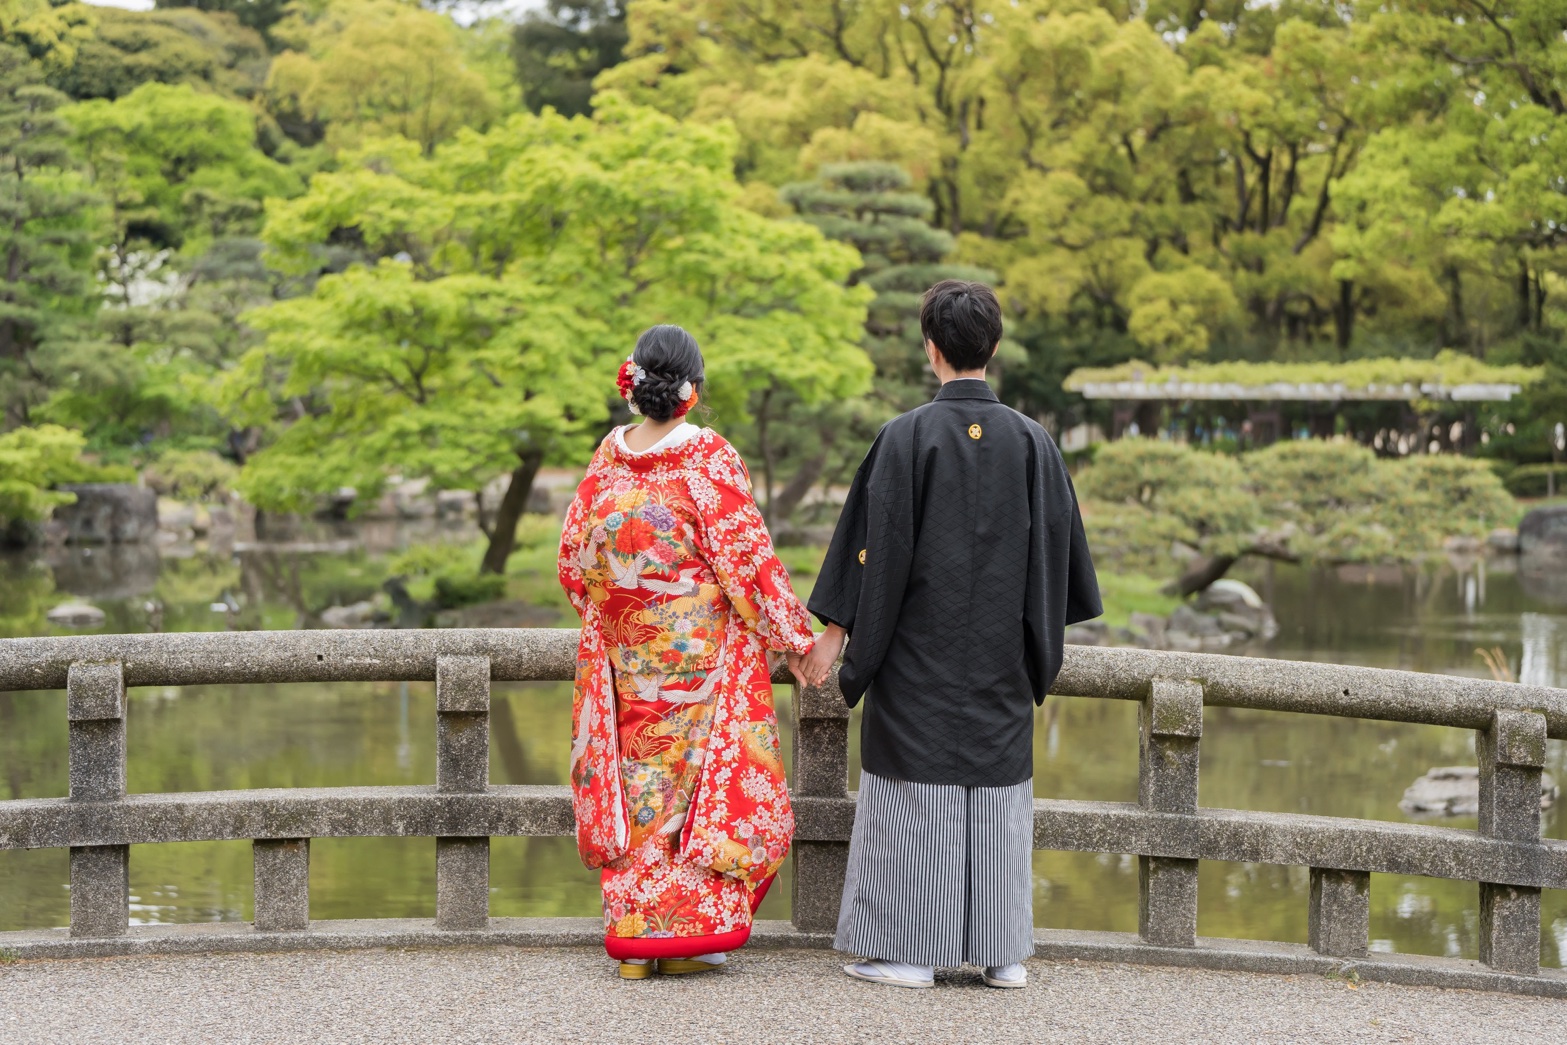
964, 321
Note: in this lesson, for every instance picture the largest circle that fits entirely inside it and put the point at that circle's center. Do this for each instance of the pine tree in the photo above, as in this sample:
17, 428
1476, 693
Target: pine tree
48, 226
560, 49
870, 206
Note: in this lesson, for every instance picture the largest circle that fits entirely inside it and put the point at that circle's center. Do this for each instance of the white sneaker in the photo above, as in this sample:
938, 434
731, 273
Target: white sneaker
893, 974
1013, 975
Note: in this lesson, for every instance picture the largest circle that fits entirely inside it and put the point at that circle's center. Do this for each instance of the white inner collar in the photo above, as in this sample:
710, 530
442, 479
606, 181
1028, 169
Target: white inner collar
679, 434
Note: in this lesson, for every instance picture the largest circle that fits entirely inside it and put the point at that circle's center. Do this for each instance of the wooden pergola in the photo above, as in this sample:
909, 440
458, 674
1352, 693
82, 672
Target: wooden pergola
1258, 391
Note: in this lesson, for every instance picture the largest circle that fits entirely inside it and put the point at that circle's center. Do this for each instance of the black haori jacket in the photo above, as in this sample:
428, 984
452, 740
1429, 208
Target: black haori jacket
956, 566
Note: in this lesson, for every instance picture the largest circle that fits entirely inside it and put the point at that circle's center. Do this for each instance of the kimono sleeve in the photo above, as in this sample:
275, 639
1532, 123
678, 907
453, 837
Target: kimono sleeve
1063, 587
866, 574
735, 542
574, 535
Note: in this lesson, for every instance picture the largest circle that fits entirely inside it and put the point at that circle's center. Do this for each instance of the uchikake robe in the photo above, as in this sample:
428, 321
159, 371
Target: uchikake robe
956, 566
677, 782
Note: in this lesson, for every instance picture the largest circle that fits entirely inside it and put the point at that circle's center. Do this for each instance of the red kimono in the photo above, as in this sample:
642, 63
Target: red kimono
677, 783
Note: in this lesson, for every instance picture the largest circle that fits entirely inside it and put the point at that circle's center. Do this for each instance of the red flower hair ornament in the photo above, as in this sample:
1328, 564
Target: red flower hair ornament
631, 375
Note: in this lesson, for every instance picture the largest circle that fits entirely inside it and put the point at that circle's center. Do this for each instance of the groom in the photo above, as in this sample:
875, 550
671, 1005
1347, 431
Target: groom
957, 564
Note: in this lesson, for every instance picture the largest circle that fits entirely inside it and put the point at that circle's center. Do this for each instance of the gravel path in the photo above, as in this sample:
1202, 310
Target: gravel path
495, 995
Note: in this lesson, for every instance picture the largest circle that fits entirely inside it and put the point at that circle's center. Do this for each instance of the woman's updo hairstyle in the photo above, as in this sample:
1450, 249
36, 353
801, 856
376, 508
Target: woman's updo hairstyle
669, 358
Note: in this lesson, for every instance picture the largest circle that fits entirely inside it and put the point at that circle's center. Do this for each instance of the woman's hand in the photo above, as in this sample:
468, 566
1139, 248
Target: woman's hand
818, 663
795, 660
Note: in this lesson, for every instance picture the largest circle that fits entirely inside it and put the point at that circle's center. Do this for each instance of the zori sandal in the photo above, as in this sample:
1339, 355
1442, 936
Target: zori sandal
685, 966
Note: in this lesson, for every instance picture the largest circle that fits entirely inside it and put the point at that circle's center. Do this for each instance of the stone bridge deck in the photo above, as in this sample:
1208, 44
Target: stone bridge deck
506, 994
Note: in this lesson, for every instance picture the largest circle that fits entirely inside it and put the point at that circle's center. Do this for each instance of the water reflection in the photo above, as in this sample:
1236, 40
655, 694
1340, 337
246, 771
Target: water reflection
218, 737
1544, 659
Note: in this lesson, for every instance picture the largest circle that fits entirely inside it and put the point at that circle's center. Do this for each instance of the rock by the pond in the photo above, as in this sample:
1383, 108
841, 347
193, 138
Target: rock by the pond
107, 513
1503, 540
503, 613
1189, 629
1239, 609
1544, 531
1463, 544
176, 517
1088, 633
1147, 629
76, 614
1455, 791
354, 615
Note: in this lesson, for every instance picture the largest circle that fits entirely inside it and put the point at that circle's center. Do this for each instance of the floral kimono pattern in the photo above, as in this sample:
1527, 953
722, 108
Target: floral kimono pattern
677, 783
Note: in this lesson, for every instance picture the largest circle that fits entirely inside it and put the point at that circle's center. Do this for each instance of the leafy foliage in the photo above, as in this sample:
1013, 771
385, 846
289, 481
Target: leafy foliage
179, 167
191, 475
49, 223
560, 49
869, 206
1144, 496
260, 15
126, 49
504, 275
1306, 178
1447, 369
360, 69
33, 461
1314, 501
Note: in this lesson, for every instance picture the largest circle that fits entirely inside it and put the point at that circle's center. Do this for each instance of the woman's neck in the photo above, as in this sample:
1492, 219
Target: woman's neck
647, 434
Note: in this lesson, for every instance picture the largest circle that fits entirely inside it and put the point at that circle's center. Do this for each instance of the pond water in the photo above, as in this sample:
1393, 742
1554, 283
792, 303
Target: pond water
218, 737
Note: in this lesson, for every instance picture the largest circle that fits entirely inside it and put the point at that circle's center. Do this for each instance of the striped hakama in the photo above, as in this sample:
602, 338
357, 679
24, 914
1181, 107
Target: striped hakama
939, 874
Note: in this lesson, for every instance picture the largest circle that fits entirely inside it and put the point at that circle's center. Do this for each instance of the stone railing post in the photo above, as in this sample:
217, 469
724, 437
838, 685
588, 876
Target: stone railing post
821, 770
1338, 922
1171, 730
1511, 754
282, 871
462, 766
100, 874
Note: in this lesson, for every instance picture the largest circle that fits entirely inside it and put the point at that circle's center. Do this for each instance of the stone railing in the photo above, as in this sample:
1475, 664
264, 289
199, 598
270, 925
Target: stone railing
1166, 829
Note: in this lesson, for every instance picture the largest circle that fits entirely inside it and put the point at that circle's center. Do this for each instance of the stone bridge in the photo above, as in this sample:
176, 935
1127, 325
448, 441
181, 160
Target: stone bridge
1166, 829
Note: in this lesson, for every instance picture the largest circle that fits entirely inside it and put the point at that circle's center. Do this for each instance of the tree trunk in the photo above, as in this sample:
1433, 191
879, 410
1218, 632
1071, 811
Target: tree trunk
794, 492
1202, 574
766, 446
1207, 570
1525, 297
1344, 315
503, 535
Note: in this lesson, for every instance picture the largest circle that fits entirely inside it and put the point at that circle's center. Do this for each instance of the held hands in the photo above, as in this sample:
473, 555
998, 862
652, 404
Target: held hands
816, 665
795, 660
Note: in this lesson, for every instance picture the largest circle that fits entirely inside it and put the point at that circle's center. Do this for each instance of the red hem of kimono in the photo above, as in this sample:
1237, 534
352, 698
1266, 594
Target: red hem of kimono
622, 948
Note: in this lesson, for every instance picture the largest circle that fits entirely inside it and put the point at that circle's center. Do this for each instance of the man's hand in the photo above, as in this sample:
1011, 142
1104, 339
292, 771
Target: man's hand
818, 663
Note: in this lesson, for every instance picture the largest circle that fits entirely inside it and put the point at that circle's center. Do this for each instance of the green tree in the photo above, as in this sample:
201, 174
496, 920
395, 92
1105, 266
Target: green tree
49, 224
49, 33
1170, 179
511, 272
360, 69
869, 206
559, 50
185, 183
1310, 501
180, 169
180, 329
260, 15
180, 45
33, 462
